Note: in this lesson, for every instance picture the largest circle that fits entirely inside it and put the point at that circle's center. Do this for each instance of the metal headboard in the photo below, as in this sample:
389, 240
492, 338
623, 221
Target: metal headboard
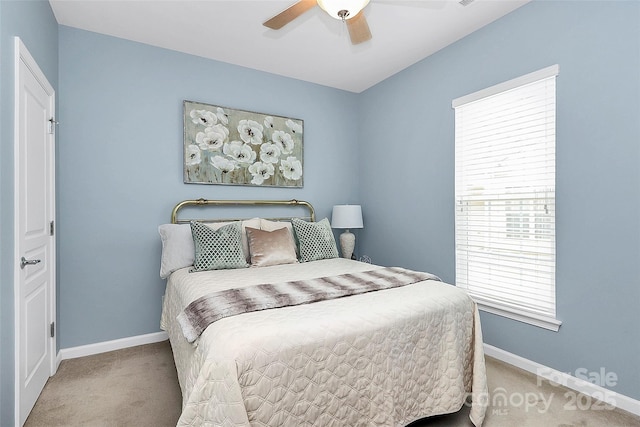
205, 202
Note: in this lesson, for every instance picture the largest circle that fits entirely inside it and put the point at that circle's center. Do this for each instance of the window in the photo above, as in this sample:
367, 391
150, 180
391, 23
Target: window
505, 197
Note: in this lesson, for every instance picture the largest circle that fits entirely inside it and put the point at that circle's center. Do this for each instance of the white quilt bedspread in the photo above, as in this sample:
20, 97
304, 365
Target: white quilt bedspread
384, 358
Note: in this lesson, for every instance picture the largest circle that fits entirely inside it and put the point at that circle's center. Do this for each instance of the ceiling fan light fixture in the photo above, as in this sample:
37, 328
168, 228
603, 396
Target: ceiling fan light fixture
336, 8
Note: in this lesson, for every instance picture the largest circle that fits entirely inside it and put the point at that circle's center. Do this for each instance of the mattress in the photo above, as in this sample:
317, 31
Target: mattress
384, 358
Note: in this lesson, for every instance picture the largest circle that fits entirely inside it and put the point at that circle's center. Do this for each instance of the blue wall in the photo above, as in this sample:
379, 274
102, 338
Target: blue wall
34, 23
407, 173
120, 168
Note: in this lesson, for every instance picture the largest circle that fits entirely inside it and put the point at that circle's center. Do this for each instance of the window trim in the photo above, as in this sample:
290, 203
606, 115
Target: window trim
544, 73
545, 322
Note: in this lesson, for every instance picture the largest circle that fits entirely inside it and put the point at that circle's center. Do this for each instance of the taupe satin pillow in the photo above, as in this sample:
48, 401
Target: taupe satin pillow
267, 225
271, 247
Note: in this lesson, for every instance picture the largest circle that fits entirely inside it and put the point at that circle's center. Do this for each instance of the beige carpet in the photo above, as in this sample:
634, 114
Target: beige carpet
138, 387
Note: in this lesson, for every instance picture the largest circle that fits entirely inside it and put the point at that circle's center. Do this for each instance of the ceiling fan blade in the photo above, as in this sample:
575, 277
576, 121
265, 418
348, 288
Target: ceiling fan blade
289, 14
358, 28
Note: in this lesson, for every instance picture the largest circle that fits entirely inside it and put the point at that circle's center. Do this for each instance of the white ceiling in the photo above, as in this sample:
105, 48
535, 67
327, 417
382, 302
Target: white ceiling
313, 48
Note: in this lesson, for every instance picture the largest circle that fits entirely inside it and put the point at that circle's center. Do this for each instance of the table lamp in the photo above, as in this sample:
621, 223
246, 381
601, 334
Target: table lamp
347, 217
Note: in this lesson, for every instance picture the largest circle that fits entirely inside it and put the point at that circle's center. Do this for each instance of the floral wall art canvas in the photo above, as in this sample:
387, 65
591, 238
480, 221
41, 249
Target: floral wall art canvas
226, 146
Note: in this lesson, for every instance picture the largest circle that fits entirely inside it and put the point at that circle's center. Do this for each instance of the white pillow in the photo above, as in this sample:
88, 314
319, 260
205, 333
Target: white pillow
177, 248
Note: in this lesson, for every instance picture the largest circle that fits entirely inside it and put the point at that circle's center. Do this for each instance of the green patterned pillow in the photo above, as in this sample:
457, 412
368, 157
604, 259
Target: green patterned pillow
217, 249
315, 239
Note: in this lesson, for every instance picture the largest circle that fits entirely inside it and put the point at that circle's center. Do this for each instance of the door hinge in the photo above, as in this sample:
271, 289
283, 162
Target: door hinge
53, 329
51, 228
52, 125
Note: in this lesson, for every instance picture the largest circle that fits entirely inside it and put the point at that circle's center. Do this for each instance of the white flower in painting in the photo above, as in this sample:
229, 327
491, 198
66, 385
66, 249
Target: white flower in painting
203, 117
222, 116
250, 131
268, 122
223, 164
240, 152
220, 128
291, 168
269, 153
283, 140
212, 138
295, 127
192, 155
260, 172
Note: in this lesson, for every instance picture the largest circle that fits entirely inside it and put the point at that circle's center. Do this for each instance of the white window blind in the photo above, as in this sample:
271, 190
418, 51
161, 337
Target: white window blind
505, 197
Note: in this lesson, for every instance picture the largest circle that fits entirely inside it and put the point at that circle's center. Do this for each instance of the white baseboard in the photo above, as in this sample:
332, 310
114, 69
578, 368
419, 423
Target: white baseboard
593, 390
103, 347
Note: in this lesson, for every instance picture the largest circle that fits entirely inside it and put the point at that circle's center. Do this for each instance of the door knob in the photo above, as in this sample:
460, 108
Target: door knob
24, 262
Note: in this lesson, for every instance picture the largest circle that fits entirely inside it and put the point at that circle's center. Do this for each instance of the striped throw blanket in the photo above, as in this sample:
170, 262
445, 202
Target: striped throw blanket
205, 310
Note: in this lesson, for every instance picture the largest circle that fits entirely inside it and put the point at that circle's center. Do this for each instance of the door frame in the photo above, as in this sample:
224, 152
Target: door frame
22, 55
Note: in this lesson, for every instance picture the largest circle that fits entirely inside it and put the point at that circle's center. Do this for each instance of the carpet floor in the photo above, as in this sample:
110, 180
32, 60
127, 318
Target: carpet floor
138, 387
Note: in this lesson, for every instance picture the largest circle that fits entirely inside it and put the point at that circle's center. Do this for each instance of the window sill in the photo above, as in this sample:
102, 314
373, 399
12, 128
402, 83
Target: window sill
545, 322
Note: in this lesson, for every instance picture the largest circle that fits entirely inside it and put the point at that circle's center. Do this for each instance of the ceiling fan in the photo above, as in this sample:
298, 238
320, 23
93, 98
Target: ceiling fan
349, 11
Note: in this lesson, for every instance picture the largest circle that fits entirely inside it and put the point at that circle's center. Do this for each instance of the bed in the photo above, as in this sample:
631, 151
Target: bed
385, 357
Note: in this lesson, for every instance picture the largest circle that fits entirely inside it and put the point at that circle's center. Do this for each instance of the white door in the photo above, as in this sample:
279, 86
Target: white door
34, 241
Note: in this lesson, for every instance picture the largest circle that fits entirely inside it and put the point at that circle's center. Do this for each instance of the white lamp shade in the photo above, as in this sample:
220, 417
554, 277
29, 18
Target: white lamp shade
346, 216
332, 7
